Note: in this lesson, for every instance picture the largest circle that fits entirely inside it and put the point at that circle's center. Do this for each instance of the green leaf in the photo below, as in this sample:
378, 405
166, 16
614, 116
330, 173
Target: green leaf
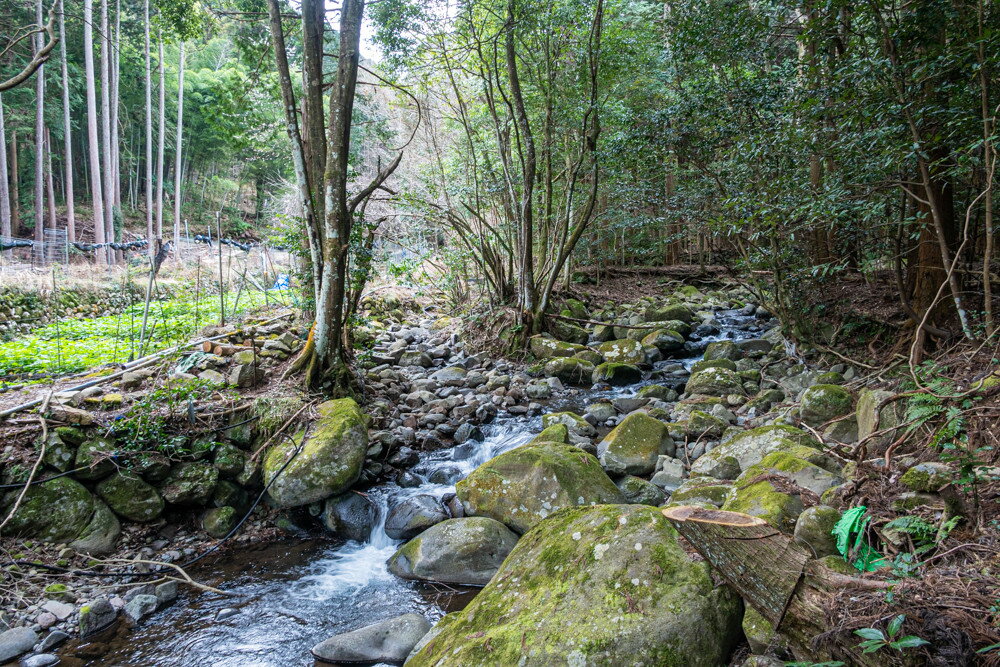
895, 624
870, 634
909, 641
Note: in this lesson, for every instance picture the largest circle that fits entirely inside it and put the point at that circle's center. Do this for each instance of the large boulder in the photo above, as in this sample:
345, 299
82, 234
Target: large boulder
571, 333
622, 352
56, 511
872, 418
570, 370
597, 585
633, 447
190, 484
522, 486
464, 551
100, 534
350, 515
413, 516
615, 374
714, 381
824, 402
765, 500
388, 641
332, 456
732, 457
664, 340
546, 348
675, 311
130, 497
798, 471
723, 349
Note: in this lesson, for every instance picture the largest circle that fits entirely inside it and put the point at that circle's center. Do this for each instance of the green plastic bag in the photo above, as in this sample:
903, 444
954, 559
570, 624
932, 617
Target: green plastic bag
850, 534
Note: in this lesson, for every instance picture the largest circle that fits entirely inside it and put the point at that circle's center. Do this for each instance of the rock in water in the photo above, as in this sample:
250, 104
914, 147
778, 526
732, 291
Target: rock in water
413, 516
351, 515
16, 641
457, 551
388, 641
330, 461
522, 486
633, 447
95, 616
599, 585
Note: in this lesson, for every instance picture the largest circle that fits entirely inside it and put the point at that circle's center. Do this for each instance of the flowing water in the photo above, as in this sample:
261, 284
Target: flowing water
287, 598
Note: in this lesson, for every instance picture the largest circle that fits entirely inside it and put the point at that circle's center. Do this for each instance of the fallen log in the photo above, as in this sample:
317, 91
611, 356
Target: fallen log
776, 576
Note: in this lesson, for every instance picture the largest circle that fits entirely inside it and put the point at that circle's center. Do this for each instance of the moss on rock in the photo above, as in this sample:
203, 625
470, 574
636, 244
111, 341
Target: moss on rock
331, 459
615, 374
622, 352
56, 511
522, 486
131, 497
590, 586
633, 447
570, 370
546, 348
714, 381
823, 402
766, 502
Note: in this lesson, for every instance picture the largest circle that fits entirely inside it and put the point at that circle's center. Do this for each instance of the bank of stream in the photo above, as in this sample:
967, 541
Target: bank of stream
286, 597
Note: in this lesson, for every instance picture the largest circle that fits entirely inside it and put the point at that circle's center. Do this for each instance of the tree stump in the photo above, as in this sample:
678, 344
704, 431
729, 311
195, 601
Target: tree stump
775, 576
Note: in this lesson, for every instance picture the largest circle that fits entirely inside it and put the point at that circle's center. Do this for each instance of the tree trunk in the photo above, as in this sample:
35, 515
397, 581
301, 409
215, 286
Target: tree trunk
50, 191
107, 171
5, 229
39, 133
116, 163
148, 125
93, 149
161, 138
68, 132
177, 155
775, 576
15, 187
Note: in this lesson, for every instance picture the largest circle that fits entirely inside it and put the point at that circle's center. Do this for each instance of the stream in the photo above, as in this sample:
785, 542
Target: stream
290, 596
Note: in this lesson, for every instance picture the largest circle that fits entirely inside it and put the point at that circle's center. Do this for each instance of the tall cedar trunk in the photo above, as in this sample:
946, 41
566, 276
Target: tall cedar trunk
15, 187
148, 126
50, 191
39, 133
313, 24
93, 149
67, 132
330, 353
106, 172
178, 153
305, 187
116, 163
5, 230
160, 137
526, 270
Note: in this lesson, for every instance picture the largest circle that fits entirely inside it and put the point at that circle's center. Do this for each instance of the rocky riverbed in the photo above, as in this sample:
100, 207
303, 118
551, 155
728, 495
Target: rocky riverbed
539, 482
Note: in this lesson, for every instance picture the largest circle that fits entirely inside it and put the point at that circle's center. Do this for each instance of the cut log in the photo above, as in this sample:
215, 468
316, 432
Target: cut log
207, 346
736, 543
775, 576
225, 350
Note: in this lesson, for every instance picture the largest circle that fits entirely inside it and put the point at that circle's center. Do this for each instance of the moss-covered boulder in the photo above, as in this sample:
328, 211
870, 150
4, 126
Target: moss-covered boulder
598, 585
702, 491
219, 521
798, 471
714, 381
190, 484
723, 349
574, 422
546, 348
759, 632
569, 332
100, 534
872, 418
570, 370
927, 477
95, 458
577, 309
638, 491
332, 456
664, 340
823, 402
457, 551
55, 511
129, 496
657, 391
557, 433
60, 453
814, 529
675, 311
622, 352
744, 450
762, 499
701, 424
617, 375
633, 447
522, 486
702, 364
230, 460
590, 356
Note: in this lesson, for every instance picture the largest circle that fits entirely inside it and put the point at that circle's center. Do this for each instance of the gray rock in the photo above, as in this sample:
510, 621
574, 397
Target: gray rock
389, 641
670, 475
467, 432
101, 533
40, 660
140, 607
166, 592
15, 642
350, 515
95, 616
457, 551
53, 639
414, 515
813, 528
